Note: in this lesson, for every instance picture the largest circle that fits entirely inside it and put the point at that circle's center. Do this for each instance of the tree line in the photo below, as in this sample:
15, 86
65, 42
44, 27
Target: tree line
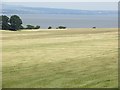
14, 23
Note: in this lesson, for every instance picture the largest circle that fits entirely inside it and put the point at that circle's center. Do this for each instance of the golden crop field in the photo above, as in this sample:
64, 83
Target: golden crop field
72, 58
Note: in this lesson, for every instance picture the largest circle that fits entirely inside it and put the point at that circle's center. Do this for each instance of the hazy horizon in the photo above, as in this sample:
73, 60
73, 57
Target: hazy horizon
67, 5
68, 18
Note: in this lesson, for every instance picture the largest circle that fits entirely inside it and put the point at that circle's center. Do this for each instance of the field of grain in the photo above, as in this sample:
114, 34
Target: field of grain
78, 58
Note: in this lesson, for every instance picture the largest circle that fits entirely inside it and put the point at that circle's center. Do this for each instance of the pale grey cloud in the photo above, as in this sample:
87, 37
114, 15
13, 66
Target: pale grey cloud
60, 0
72, 5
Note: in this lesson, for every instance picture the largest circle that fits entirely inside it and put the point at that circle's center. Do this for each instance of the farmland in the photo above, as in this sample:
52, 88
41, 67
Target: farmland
73, 58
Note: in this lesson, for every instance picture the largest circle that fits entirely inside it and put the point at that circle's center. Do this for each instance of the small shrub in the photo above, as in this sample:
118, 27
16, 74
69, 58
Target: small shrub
49, 27
37, 27
61, 27
94, 27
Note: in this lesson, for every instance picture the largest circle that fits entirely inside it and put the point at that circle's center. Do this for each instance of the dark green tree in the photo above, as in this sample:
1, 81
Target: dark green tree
61, 27
49, 27
37, 27
4, 21
30, 27
0, 22
15, 22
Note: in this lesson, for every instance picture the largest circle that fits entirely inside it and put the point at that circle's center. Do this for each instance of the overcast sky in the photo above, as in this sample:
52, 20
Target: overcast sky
82, 4
60, 0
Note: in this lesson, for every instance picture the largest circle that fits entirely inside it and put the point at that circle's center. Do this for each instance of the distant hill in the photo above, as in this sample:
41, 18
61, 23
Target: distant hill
14, 9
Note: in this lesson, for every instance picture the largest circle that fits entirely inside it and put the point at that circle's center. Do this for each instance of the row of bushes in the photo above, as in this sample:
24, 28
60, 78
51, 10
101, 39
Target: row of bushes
32, 27
60, 27
38, 27
15, 23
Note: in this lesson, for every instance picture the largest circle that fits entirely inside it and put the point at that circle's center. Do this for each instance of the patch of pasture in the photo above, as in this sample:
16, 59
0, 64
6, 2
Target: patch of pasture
78, 58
